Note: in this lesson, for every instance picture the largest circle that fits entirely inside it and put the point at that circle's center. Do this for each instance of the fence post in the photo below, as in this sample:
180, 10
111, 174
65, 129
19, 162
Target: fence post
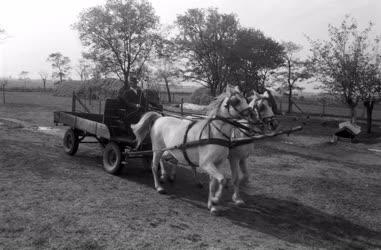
173, 98
3, 93
181, 106
100, 106
73, 102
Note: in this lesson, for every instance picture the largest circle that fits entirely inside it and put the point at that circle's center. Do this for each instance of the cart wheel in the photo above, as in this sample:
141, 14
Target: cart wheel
70, 142
112, 157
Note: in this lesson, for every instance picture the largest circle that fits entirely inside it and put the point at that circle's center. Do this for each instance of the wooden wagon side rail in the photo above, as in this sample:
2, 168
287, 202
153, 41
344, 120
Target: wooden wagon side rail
90, 127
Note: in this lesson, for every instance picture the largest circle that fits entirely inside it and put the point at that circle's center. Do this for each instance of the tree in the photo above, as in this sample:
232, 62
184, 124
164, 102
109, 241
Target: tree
44, 77
370, 81
206, 38
24, 76
292, 71
60, 65
83, 69
252, 59
119, 35
168, 64
342, 63
2, 34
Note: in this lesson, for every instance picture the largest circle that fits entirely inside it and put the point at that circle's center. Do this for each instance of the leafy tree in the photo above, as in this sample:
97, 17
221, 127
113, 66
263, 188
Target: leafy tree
343, 63
44, 77
252, 58
118, 36
206, 38
60, 64
370, 81
293, 71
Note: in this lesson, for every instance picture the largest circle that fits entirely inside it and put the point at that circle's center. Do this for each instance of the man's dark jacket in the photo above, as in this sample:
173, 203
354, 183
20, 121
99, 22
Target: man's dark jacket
130, 98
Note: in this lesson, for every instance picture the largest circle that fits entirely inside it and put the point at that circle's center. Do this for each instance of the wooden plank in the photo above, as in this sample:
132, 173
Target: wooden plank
92, 127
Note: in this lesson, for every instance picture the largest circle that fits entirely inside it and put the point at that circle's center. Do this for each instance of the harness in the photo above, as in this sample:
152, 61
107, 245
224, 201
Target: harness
210, 140
201, 142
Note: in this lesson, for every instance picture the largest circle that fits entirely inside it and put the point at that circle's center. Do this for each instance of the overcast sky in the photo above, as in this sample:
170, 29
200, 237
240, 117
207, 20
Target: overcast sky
37, 28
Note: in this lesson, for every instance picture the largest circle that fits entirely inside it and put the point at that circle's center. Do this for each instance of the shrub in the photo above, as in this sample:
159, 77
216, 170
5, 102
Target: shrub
201, 96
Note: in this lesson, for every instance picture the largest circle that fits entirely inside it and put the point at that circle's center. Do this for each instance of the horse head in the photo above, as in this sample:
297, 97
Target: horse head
264, 107
235, 104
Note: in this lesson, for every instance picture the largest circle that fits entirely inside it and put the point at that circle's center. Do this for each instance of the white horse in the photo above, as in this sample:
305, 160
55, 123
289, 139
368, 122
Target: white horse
238, 155
168, 132
263, 111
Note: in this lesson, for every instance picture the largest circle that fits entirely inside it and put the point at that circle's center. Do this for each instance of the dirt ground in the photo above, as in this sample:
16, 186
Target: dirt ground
304, 193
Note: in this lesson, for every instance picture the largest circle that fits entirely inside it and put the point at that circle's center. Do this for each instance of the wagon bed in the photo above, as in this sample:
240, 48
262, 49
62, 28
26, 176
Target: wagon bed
111, 130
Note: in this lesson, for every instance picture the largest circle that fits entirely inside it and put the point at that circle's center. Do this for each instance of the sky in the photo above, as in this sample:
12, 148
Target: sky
36, 28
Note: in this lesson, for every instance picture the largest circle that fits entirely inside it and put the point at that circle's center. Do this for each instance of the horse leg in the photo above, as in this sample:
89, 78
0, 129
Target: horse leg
234, 163
222, 183
215, 176
245, 175
212, 189
155, 167
172, 175
196, 178
163, 172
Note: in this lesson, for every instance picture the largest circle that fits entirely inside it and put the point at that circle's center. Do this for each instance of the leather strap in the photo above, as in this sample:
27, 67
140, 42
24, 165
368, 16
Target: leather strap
183, 148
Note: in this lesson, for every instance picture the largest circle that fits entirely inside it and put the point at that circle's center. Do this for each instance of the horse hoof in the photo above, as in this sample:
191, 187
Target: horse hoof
214, 211
172, 179
162, 179
214, 200
161, 190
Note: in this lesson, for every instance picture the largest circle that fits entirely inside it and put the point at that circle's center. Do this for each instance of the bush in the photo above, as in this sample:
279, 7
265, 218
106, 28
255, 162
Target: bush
201, 96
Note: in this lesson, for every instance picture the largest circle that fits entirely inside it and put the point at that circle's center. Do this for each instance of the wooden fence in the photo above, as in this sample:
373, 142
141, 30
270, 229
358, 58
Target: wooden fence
308, 107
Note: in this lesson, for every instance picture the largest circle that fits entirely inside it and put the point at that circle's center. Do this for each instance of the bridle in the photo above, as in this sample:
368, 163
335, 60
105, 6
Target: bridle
268, 120
232, 104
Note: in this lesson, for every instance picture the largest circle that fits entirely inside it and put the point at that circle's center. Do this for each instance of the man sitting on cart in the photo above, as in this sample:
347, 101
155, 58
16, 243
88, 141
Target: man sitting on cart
135, 101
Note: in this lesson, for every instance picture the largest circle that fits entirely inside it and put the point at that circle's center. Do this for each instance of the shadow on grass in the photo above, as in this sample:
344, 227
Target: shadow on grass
287, 220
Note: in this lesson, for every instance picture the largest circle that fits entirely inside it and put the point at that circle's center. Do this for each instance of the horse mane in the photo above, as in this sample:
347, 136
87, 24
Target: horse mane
215, 105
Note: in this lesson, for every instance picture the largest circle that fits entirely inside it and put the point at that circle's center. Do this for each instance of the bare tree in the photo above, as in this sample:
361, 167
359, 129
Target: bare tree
83, 69
2, 34
168, 64
44, 77
60, 65
293, 71
3, 82
24, 76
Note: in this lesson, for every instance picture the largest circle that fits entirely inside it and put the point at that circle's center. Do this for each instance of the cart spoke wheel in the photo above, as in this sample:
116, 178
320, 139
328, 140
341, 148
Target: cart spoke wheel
70, 142
112, 158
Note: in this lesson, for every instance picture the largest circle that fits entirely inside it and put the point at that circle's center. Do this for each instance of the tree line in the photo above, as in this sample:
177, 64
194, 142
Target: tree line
125, 37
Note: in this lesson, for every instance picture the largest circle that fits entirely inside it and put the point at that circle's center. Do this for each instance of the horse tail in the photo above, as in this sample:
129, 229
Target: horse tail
143, 127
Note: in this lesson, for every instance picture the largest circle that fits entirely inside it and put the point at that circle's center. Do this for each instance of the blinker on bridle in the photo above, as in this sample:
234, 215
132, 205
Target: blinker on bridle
233, 103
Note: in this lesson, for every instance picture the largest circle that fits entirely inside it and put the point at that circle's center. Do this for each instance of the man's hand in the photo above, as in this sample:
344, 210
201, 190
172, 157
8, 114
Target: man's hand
138, 106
